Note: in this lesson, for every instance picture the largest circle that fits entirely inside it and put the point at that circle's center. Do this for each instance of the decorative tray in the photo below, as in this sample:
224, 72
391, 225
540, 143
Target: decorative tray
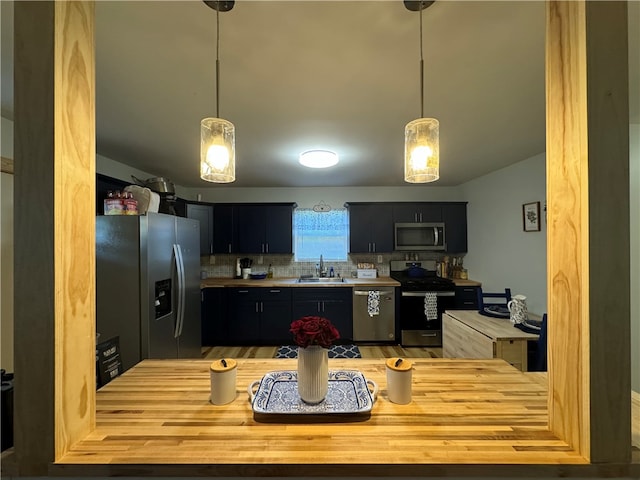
348, 397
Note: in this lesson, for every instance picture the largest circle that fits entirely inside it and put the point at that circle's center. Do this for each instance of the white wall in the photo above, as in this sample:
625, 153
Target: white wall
6, 251
307, 197
501, 255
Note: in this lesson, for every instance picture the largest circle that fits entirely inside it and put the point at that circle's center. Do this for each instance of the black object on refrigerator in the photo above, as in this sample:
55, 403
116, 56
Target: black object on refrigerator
148, 285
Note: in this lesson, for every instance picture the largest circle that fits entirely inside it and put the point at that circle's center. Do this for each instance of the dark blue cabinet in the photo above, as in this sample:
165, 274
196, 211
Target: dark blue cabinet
427, 212
264, 228
213, 317
370, 228
204, 214
259, 316
454, 216
333, 303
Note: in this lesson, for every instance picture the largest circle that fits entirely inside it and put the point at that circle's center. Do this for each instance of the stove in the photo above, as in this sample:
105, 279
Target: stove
401, 271
423, 298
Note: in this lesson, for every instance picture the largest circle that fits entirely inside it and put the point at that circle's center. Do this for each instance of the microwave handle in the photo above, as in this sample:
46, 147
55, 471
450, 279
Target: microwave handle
435, 233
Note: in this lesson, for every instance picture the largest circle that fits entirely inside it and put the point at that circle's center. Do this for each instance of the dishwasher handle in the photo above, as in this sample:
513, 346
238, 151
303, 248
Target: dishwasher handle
365, 293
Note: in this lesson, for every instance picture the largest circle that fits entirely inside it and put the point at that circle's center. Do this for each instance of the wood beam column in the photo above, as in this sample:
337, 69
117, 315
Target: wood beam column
588, 227
54, 145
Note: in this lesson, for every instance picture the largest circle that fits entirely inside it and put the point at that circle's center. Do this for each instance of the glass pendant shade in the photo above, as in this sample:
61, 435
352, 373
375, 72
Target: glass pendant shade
422, 151
217, 150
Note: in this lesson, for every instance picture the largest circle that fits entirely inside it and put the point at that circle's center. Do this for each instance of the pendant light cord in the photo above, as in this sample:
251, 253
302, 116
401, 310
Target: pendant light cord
421, 68
218, 62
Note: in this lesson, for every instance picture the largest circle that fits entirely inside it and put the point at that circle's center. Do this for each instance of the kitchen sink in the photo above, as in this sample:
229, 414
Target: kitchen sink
321, 280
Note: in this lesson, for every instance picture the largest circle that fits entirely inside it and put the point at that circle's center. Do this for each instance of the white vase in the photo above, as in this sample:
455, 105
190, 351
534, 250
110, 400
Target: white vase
313, 373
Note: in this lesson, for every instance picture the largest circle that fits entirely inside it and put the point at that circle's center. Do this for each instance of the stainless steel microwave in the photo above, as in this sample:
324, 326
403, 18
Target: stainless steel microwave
419, 236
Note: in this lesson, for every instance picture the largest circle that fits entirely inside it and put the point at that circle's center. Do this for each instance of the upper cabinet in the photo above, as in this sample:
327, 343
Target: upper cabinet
224, 231
264, 228
370, 227
244, 228
454, 216
417, 212
204, 214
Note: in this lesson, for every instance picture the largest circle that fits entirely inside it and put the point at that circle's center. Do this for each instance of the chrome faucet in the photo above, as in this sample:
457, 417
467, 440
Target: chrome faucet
323, 272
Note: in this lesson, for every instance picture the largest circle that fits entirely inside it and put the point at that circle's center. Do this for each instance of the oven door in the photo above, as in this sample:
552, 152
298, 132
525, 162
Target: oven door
415, 328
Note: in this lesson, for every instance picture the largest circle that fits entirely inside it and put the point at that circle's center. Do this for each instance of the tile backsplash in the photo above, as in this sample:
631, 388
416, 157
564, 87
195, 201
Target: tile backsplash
284, 266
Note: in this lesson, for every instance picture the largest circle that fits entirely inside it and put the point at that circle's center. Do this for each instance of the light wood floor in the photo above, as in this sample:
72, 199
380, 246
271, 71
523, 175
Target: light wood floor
367, 351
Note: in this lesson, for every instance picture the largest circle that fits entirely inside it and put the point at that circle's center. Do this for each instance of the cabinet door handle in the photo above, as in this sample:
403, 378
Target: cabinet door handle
374, 247
319, 307
261, 307
229, 248
256, 307
267, 248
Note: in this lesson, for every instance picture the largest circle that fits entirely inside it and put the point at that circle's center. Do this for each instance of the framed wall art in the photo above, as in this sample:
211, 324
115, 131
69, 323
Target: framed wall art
531, 217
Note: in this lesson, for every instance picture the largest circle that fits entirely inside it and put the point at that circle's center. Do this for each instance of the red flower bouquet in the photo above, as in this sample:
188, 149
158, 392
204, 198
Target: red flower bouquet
312, 330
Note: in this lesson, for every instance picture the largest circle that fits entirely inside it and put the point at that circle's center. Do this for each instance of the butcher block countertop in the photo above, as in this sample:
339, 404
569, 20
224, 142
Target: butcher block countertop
475, 417
293, 282
493, 328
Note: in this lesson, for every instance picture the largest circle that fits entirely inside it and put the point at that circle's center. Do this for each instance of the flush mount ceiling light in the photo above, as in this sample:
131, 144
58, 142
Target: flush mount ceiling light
218, 136
318, 158
421, 136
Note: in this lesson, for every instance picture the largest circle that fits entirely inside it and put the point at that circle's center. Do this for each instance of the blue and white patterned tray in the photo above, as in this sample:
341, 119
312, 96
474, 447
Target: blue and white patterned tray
278, 394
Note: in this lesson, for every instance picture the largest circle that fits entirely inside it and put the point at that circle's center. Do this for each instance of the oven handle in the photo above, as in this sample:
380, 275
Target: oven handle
422, 294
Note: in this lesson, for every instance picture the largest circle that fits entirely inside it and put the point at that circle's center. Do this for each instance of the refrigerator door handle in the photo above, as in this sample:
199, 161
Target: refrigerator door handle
177, 251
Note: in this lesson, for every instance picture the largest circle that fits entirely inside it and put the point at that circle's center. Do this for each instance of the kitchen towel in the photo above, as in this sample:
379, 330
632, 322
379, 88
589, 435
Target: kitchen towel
373, 303
431, 305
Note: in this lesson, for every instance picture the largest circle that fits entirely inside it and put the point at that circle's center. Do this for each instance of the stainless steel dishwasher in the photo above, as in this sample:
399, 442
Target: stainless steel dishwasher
374, 318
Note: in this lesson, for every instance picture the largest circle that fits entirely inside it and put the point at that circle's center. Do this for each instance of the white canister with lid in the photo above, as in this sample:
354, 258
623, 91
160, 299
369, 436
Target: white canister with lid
399, 378
223, 381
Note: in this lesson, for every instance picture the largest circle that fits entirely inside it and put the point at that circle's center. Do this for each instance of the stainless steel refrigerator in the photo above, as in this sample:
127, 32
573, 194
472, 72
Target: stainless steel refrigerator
148, 285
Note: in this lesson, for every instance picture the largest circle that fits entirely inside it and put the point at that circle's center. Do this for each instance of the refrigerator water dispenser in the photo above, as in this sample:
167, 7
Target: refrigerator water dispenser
162, 302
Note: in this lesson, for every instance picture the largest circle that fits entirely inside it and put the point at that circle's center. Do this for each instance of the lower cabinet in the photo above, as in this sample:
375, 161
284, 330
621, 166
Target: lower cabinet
333, 303
259, 316
214, 325
263, 316
466, 298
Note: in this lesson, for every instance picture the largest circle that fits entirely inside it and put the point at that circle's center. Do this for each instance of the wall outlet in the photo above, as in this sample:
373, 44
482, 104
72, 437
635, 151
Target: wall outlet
379, 258
260, 260
212, 259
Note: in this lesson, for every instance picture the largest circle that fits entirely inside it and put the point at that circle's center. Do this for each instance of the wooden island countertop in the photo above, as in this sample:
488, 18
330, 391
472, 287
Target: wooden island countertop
156, 419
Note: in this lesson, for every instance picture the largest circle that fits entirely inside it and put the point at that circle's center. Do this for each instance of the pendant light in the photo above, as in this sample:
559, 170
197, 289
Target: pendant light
217, 136
421, 136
